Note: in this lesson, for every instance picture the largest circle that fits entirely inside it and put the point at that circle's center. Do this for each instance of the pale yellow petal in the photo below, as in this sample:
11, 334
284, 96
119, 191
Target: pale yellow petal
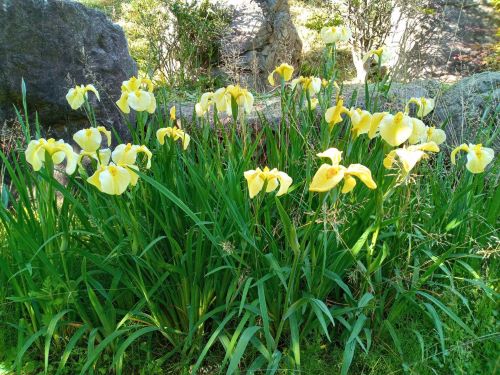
122, 103
363, 173
326, 178
332, 153
94, 90
395, 130
255, 183
285, 182
462, 147
349, 184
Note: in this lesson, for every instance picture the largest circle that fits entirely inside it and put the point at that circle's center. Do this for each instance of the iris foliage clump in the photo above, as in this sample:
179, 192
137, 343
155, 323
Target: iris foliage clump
214, 244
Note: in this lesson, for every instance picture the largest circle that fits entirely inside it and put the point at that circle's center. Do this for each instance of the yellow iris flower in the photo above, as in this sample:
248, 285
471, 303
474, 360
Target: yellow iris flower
115, 177
203, 106
57, 150
333, 114
243, 98
478, 157
334, 34
425, 105
285, 71
90, 139
76, 96
134, 96
256, 179
396, 129
175, 133
410, 156
381, 55
310, 84
172, 113
126, 154
111, 179
437, 136
361, 121
330, 175
376, 119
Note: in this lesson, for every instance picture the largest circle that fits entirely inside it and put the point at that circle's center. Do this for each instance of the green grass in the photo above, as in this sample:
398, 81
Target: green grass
184, 272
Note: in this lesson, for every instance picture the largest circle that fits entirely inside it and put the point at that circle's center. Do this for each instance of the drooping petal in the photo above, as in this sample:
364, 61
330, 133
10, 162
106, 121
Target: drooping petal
75, 97
270, 78
94, 179
134, 177
285, 182
419, 132
139, 100
122, 103
152, 103
375, 123
32, 154
409, 158
106, 132
148, 154
326, 178
437, 136
333, 115
71, 158
462, 147
478, 158
389, 159
363, 173
104, 156
332, 153
162, 133
349, 184
360, 120
254, 181
93, 89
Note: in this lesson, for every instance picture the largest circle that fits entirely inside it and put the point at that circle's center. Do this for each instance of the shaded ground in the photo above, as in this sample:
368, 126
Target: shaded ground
455, 38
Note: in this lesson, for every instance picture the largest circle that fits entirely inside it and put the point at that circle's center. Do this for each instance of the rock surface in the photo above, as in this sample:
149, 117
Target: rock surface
261, 36
468, 104
53, 45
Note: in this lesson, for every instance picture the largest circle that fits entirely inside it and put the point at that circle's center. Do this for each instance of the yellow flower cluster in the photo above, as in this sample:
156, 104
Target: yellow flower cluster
335, 34
224, 98
116, 169
137, 93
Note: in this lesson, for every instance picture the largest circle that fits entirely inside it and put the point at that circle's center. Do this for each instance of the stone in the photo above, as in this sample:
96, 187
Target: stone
53, 45
260, 37
467, 106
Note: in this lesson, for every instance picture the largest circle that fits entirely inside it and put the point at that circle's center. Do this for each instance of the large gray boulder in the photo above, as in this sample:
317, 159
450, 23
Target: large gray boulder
260, 36
468, 106
53, 45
